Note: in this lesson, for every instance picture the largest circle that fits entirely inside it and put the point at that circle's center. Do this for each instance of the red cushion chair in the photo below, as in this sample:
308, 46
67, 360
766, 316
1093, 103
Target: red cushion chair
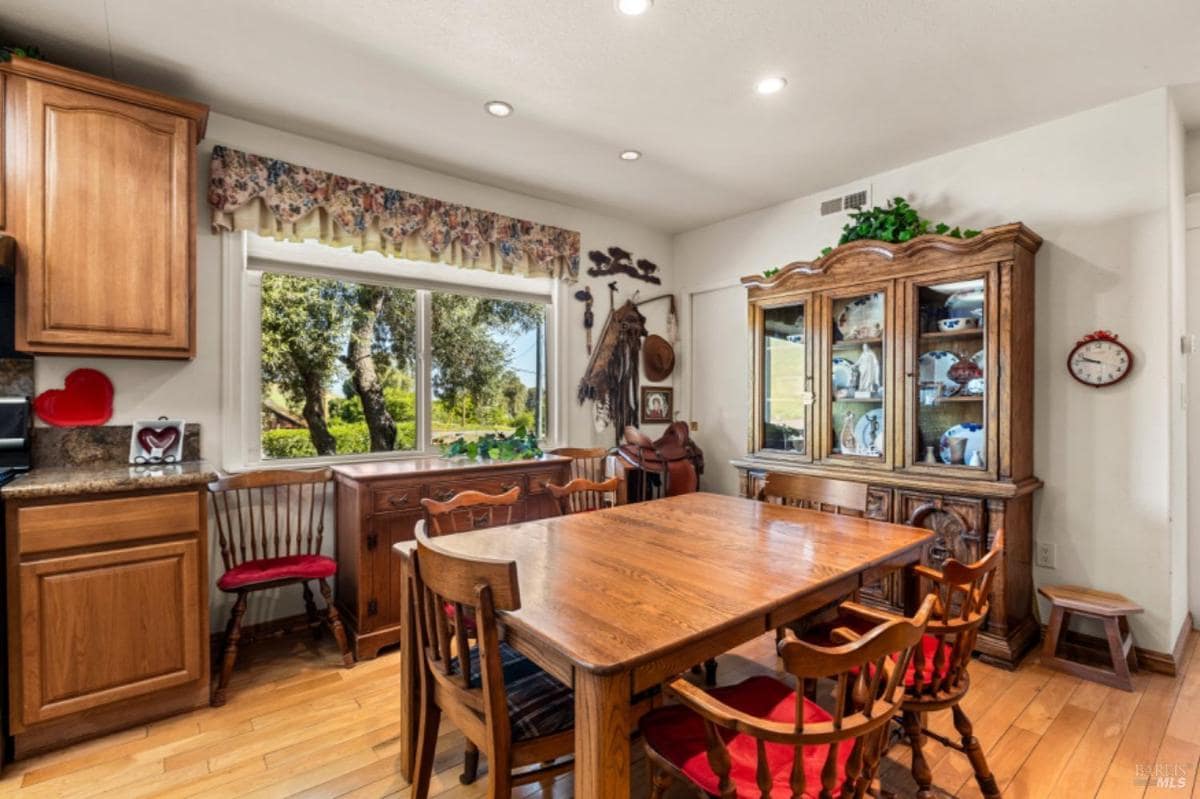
677, 733
269, 570
744, 740
270, 525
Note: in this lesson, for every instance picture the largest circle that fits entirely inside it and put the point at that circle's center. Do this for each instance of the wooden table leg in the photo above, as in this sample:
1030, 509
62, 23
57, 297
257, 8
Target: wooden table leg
602, 720
409, 684
912, 589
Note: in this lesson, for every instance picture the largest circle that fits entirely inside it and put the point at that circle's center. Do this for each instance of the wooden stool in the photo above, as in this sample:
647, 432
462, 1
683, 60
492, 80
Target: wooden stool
1111, 609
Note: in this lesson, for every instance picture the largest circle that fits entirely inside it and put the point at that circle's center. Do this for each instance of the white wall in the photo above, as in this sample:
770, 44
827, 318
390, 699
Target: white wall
1177, 402
191, 390
1095, 186
1191, 166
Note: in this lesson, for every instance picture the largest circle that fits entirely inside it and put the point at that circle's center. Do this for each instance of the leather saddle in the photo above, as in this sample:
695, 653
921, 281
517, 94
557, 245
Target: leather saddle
674, 456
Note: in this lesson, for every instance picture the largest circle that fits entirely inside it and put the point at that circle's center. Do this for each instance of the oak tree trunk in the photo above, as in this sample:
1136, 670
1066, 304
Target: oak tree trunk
314, 414
363, 374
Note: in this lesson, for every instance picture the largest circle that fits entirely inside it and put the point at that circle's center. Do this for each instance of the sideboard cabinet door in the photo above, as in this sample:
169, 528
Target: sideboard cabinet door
101, 200
101, 627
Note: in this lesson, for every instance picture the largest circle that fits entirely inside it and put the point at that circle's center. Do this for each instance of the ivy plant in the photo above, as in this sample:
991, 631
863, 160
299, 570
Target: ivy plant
521, 445
896, 223
9, 51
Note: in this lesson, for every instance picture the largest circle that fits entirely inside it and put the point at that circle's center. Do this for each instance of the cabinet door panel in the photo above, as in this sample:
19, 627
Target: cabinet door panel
390, 590
958, 524
103, 206
102, 627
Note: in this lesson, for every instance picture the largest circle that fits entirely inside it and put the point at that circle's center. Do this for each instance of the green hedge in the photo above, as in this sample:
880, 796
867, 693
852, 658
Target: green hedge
351, 439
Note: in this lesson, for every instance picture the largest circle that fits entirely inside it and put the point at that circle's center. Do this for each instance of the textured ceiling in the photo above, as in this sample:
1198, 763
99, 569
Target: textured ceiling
873, 83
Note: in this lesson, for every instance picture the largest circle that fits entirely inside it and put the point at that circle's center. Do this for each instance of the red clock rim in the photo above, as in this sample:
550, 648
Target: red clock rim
1111, 340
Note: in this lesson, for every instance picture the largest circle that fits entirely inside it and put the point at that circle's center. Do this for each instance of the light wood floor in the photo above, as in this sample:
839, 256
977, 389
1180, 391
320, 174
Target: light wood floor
297, 724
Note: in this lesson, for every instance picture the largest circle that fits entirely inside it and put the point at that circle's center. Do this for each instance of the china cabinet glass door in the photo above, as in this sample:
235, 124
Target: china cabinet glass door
784, 412
856, 375
950, 364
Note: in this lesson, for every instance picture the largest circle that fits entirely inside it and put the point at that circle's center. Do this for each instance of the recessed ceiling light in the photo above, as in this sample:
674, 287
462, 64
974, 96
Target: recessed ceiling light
630, 155
634, 8
498, 108
770, 85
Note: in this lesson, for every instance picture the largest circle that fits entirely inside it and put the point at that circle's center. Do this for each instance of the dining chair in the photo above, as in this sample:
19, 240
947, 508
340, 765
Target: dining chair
471, 510
582, 495
504, 705
937, 676
270, 525
590, 463
763, 737
842, 497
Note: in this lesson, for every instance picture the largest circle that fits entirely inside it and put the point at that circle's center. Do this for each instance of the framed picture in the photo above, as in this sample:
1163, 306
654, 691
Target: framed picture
657, 404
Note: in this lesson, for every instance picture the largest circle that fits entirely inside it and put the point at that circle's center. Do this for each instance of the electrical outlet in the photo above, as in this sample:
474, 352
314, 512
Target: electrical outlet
1044, 555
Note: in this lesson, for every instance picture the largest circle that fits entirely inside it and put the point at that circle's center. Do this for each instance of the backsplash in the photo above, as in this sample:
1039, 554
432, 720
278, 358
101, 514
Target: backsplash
96, 446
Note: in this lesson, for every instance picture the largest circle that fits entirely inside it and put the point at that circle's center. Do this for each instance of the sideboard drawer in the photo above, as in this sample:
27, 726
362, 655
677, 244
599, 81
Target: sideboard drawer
443, 491
538, 480
386, 498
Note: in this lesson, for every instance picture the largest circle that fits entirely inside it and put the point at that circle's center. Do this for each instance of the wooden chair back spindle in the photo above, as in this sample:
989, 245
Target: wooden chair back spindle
590, 463
842, 497
471, 510
582, 494
869, 691
270, 514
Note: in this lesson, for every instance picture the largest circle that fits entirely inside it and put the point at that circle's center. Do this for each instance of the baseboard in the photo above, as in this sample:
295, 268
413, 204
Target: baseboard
264, 629
1091, 647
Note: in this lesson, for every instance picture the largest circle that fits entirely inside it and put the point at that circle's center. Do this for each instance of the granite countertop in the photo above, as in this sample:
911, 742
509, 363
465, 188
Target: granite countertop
62, 481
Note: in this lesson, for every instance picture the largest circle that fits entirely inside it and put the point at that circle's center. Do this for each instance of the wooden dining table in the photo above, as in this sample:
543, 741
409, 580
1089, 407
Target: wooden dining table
617, 601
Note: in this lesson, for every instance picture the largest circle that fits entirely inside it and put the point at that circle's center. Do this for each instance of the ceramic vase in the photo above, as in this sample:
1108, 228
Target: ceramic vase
958, 448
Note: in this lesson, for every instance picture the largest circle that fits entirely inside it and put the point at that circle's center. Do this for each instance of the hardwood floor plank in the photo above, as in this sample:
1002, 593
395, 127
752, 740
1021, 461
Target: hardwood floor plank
312, 729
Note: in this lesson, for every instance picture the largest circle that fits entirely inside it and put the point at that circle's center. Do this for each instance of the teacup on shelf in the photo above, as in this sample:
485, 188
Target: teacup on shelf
958, 323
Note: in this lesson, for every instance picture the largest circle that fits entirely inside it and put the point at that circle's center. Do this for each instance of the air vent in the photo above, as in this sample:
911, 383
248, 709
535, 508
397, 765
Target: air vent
856, 200
831, 206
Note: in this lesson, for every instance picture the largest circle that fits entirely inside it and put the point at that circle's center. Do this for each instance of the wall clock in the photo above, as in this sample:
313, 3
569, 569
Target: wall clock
1098, 359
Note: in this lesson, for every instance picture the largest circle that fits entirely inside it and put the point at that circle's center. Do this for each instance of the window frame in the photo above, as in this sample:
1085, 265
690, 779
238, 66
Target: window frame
243, 260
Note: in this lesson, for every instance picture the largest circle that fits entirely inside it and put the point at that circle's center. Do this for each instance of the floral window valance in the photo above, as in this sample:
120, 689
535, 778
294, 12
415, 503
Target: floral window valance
286, 201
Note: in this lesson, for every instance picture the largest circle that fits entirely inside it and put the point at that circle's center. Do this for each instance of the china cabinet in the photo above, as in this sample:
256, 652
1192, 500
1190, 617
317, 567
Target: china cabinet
909, 367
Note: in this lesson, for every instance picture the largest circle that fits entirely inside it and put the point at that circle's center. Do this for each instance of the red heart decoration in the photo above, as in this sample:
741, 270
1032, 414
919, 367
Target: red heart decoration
85, 400
162, 438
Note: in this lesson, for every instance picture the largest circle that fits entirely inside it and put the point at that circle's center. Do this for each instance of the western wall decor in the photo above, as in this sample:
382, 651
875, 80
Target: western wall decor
85, 400
658, 404
658, 358
612, 374
1098, 359
158, 441
618, 261
282, 200
584, 295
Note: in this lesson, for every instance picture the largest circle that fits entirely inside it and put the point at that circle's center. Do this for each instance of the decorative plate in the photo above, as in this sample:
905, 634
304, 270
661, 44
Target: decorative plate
862, 318
862, 430
968, 302
972, 432
980, 360
843, 372
85, 400
934, 365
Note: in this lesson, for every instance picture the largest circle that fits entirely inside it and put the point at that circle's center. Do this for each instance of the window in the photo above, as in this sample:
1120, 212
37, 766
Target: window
345, 356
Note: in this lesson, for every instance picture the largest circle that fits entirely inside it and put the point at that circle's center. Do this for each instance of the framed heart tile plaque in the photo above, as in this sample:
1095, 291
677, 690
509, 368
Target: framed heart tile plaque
158, 441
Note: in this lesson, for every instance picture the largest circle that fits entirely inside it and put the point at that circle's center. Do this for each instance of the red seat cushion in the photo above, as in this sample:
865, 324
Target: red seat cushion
822, 635
268, 570
677, 734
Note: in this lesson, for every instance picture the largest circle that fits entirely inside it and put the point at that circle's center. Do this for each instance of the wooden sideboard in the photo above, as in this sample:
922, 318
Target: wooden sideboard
107, 612
378, 504
99, 191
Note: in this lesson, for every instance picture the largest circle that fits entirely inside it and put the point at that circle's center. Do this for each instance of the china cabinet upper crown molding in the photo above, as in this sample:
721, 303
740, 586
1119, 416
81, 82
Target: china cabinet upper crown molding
909, 368
99, 192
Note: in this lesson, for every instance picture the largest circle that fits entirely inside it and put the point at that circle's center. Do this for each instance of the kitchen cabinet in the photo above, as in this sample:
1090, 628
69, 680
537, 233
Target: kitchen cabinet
99, 187
107, 613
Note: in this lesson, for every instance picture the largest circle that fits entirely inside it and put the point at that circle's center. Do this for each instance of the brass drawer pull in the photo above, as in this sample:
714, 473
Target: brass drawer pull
398, 502
444, 495
508, 486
